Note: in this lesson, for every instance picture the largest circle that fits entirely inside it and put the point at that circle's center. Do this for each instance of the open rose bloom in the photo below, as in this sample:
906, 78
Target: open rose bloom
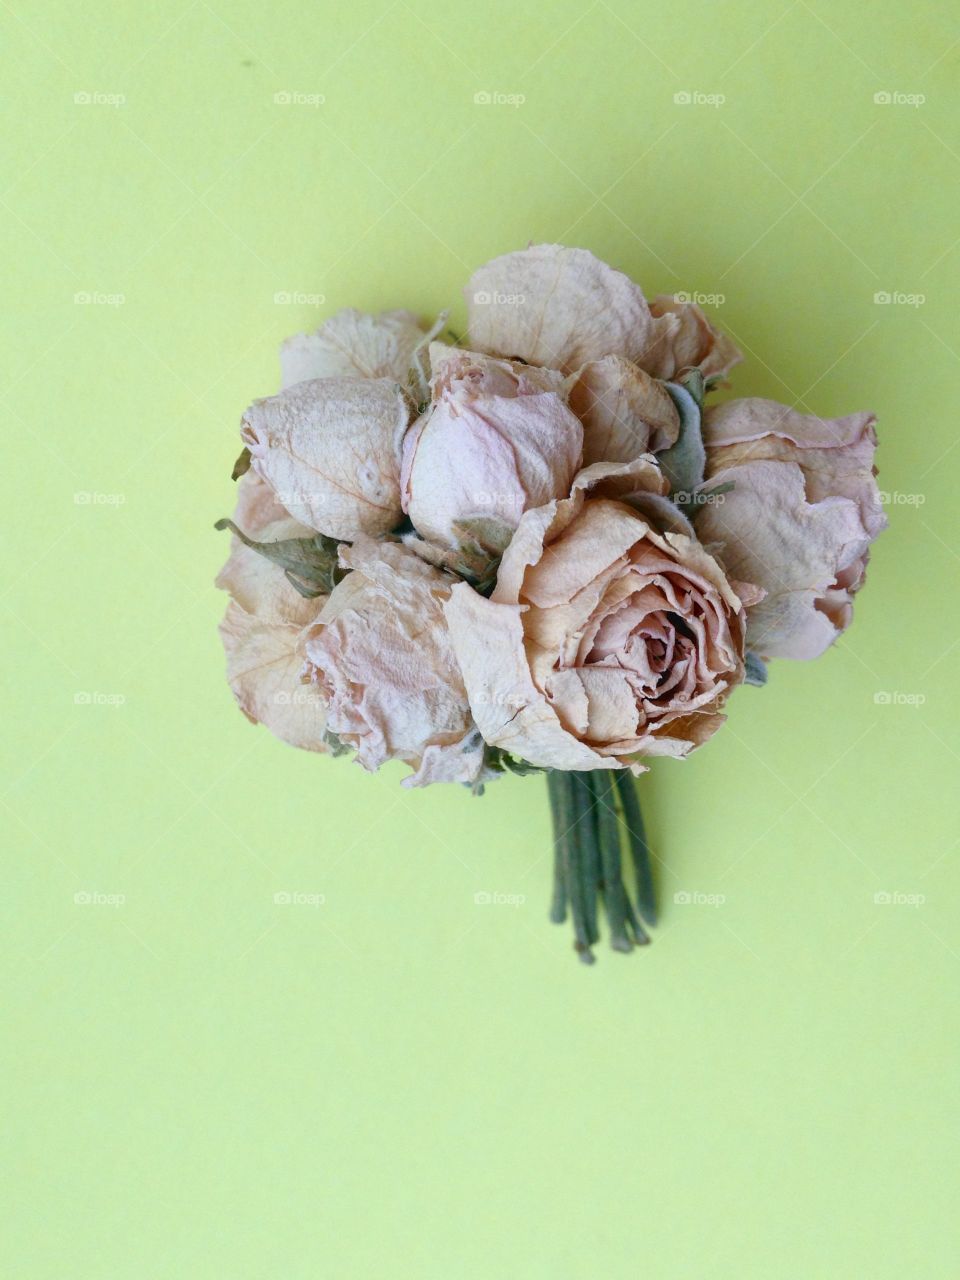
541, 548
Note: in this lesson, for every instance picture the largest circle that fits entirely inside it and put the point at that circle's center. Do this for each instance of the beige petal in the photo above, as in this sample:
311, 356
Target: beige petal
471, 375
600, 536
770, 535
491, 457
264, 661
257, 505
330, 450
694, 343
509, 710
836, 455
625, 412
354, 344
632, 483
383, 656
559, 307
259, 586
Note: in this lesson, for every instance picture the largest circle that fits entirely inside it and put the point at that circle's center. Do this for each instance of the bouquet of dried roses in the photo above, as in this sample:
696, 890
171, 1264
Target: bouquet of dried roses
537, 550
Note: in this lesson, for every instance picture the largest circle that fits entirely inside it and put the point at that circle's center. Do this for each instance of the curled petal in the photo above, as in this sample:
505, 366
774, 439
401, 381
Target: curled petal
625, 412
510, 711
260, 586
490, 458
807, 556
560, 308
381, 654
354, 344
264, 662
693, 344
836, 455
330, 450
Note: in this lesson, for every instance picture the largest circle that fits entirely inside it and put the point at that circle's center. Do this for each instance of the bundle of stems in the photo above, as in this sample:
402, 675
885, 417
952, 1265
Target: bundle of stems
594, 815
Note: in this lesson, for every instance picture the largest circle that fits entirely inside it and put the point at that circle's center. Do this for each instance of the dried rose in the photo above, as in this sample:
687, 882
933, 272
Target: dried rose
330, 451
381, 656
605, 640
498, 438
262, 635
355, 344
799, 519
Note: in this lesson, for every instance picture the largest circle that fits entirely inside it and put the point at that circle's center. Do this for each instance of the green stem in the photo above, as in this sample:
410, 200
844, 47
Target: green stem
588, 833
633, 821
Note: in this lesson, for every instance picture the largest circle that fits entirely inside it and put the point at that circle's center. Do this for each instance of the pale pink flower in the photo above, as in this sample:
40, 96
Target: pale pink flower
262, 634
497, 438
381, 656
330, 451
605, 640
799, 519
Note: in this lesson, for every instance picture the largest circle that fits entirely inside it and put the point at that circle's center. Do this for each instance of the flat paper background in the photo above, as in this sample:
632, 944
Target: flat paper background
402, 1082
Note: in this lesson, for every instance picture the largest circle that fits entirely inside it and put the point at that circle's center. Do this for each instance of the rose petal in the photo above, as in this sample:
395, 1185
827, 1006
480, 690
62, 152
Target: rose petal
772, 536
559, 307
330, 450
354, 344
625, 412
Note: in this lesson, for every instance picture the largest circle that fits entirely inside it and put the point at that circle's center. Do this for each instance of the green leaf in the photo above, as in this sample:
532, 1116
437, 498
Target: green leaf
685, 461
756, 669
694, 383
484, 533
242, 465
310, 564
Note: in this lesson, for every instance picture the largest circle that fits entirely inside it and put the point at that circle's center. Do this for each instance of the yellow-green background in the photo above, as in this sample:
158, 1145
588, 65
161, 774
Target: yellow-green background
399, 1082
